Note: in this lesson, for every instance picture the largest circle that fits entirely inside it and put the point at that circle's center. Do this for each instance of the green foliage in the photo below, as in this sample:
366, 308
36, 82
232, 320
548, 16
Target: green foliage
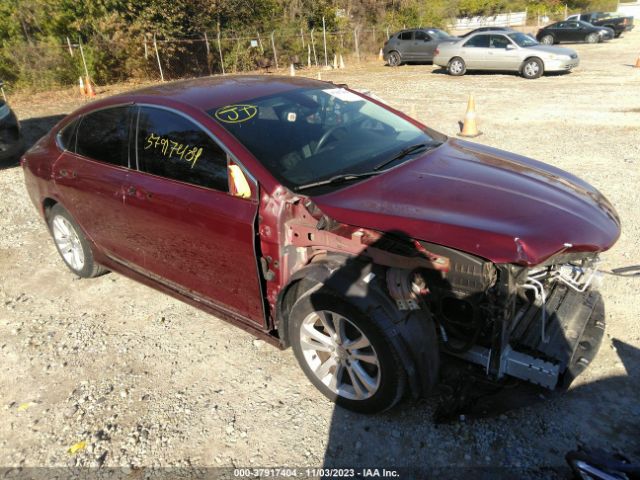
33, 33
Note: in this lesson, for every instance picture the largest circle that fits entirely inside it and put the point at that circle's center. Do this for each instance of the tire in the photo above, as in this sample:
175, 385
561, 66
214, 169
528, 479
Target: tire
394, 59
532, 68
456, 67
547, 40
592, 38
71, 243
364, 386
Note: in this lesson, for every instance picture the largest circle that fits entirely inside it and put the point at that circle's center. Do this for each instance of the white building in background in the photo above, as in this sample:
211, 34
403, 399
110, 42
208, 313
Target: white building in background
630, 9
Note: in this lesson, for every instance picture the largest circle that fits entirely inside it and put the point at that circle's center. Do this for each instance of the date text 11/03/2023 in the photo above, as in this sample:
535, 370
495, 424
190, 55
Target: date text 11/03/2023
168, 147
315, 473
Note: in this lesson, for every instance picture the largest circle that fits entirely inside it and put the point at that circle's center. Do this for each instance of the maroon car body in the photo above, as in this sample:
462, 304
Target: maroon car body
466, 209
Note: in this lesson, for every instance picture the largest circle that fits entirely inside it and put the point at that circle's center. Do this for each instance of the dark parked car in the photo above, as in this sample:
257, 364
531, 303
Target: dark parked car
11, 143
572, 31
319, 218
618, 23
415, 45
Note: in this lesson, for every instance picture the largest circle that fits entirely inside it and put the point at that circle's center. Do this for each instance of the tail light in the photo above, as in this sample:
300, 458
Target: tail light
436, 51
624, 22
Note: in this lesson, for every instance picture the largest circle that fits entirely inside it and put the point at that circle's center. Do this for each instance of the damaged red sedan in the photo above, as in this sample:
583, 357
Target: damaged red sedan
320, 218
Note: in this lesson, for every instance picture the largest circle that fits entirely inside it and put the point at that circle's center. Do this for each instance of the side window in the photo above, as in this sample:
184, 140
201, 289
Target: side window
104, 136
405, 36
67, 136
422, 36
171, 146
479, 41
562, 25
499, 41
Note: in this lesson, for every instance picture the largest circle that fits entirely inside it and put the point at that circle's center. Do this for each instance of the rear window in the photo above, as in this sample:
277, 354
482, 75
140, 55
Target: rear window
104, 136
479, 41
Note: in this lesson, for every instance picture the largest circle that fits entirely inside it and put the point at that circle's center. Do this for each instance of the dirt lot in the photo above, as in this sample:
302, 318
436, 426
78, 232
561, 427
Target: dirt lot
145, 380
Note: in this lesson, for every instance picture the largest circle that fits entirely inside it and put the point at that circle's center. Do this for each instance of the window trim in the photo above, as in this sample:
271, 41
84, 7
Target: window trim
230, 155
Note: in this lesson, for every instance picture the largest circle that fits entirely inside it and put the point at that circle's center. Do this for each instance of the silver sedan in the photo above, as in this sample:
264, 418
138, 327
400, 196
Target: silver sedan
505, 51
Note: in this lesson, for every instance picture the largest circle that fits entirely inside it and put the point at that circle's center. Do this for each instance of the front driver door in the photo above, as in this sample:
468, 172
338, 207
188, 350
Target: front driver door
192, 234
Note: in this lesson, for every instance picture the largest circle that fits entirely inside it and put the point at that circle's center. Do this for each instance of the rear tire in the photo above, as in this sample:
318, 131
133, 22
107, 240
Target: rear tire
394, 59
592, 38
456, 67
71, 243
547, 40
532, 68
367, 377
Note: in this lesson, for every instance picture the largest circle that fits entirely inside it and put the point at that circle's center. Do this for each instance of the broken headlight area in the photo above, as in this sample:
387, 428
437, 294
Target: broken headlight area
541, 324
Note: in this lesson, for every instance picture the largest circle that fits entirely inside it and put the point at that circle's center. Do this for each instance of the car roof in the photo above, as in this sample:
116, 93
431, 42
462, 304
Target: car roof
485, 32
206, 93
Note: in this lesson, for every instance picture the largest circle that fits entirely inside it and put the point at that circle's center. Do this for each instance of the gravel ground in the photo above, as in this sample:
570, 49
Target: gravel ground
144, 380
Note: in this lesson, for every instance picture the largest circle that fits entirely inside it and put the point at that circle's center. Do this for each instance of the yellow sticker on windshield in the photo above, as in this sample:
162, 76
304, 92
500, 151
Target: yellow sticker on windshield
236, 113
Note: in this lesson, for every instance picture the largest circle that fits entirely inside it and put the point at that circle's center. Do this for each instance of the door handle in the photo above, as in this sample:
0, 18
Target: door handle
131, 190
64, 173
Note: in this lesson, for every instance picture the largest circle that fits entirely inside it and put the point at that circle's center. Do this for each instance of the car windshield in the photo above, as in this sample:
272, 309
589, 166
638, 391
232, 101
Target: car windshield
304, 136
523, 40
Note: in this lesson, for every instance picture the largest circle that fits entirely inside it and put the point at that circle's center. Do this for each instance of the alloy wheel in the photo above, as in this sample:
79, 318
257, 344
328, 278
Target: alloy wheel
68, 242
340, 355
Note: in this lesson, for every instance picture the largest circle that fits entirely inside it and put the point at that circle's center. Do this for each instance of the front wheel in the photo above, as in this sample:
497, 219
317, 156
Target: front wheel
532, 68
456, 67
592, 38
344, 354
394, 59
71, 243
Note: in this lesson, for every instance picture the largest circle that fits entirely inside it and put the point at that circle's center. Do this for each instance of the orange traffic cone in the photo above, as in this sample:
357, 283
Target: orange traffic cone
381, 55
469, 128
638, 62
89, 88
82, 90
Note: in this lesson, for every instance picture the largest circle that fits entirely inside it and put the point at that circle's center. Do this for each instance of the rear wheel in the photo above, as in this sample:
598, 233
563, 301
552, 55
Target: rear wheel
394, 59
456, 67
532, 68
547, 40
71, 243
344, 354
592, 38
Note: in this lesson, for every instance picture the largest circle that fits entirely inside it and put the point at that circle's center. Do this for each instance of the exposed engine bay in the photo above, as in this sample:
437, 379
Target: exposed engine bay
529, 323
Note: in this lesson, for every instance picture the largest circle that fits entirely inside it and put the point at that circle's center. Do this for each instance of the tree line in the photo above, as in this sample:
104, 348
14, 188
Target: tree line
39, 39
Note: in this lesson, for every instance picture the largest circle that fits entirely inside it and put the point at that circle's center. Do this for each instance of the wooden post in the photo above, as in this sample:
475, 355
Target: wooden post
260, 43
566, 11
355, 39
155, 46
308, 55
313, 46
146, 50
324, 39
220, 52
302, 37
273, 45
4, 97
206, 44
387, 32
70, 48
84, 62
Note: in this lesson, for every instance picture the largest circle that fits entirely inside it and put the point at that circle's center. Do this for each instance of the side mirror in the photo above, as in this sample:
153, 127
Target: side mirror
510, 46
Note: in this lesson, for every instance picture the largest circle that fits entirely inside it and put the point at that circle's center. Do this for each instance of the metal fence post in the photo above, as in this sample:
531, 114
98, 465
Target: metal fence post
324, 39
155, 46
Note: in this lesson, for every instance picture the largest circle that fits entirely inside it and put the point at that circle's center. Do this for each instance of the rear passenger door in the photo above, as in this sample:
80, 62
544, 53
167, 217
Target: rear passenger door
475, 51
191, 234
91, 173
